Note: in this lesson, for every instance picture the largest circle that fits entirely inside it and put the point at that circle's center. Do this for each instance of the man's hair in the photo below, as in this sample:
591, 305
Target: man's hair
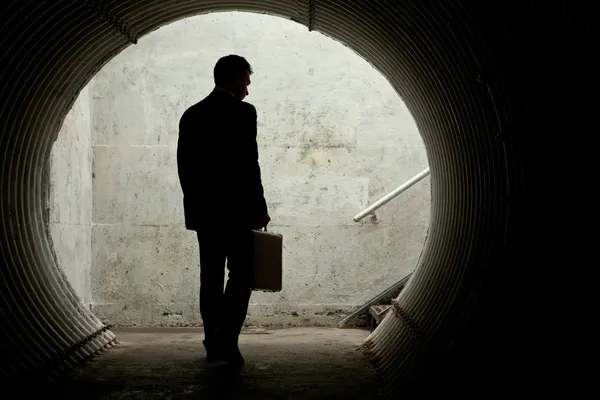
230, 67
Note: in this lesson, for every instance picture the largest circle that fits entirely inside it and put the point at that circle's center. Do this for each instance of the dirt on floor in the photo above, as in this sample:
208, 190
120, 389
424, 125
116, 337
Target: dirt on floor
169, 363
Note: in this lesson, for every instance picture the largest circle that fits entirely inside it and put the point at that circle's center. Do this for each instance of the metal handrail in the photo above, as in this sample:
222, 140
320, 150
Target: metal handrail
390, 196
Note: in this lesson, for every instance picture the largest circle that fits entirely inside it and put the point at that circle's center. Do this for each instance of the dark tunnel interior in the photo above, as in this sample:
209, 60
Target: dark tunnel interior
504, 95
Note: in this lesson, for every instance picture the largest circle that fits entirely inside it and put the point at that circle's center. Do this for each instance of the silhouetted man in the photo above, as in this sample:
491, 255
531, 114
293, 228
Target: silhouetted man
217, 161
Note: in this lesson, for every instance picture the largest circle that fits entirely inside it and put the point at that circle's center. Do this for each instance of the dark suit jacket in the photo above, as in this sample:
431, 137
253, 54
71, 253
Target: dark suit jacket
217, 162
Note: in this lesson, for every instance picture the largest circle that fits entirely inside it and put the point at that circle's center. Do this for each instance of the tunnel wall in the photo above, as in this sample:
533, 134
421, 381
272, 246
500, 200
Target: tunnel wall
333, 138
69, 201
476, 77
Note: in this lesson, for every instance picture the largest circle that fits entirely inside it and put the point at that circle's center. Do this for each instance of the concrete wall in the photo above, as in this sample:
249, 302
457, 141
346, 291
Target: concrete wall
333, 136
70, 197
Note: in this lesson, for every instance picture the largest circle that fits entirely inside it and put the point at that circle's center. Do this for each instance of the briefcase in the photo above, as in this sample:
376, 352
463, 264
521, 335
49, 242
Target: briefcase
268, 249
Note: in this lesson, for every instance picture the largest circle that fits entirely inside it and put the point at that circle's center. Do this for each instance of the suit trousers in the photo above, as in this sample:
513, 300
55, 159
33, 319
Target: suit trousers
224, 311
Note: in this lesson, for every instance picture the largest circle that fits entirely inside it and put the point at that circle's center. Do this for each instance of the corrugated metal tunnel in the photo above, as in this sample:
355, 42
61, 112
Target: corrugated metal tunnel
480, 79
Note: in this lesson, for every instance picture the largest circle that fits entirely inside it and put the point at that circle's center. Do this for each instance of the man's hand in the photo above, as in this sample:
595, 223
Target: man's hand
262, 222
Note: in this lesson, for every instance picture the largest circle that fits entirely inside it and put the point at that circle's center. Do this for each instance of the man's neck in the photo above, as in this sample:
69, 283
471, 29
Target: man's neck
224, 90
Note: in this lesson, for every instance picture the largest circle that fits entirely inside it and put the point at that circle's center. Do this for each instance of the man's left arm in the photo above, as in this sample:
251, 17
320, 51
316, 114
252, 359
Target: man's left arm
258, 195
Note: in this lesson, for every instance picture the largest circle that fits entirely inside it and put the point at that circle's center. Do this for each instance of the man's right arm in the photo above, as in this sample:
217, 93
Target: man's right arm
185, 157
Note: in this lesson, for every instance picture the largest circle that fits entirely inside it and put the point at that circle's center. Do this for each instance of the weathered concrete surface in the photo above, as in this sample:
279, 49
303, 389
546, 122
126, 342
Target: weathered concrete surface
70, 197
169, 363
334, 137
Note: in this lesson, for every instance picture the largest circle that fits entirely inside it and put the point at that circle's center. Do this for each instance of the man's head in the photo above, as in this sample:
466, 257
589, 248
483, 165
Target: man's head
233, 73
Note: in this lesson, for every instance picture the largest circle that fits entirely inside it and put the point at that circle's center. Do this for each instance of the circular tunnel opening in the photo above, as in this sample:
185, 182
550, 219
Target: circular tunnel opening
482, 116
334, 137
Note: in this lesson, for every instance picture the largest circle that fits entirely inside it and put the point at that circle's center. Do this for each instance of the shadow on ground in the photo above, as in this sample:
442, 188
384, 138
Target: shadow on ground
166, 363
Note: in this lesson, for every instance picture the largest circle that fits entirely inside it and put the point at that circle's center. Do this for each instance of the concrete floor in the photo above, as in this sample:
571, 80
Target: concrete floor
168, 363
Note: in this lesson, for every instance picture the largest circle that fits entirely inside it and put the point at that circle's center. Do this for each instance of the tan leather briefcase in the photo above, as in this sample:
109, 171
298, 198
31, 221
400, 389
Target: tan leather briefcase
268, 249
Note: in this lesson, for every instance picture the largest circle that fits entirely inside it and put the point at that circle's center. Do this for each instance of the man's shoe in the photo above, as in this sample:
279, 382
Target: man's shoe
233, 356
213, 351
